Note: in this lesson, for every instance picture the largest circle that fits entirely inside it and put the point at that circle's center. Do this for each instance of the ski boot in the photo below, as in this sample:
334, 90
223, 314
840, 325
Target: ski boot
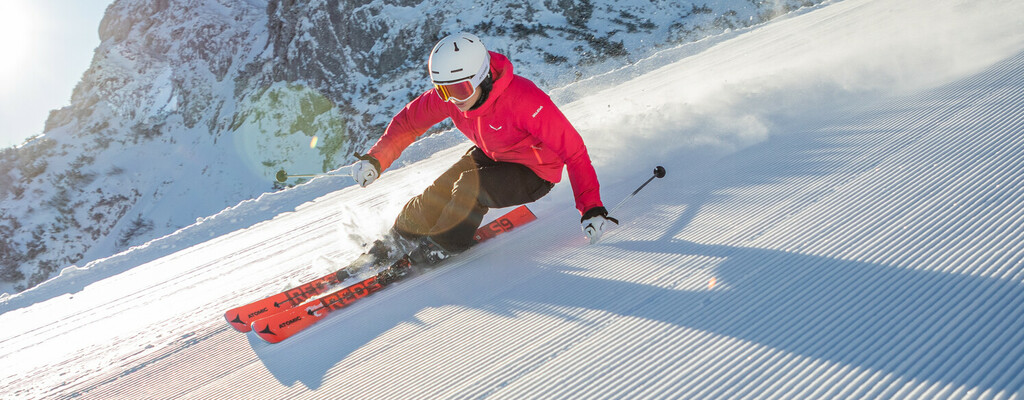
383, 252
380, 254
426, 254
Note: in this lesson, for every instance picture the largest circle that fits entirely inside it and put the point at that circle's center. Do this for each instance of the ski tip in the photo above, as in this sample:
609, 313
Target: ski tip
262, 329
235, 320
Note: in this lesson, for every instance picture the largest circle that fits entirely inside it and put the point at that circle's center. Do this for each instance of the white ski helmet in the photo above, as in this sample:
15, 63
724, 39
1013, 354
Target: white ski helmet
457, 65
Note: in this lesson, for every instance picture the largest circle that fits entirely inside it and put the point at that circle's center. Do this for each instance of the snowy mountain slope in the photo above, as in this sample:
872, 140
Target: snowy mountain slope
842, 218
184, 96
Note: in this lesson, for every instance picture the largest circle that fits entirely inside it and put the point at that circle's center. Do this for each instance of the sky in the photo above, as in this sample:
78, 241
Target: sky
45, 47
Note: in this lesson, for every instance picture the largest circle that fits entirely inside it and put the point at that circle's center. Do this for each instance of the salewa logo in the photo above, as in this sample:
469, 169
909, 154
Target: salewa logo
495, 128
538, 111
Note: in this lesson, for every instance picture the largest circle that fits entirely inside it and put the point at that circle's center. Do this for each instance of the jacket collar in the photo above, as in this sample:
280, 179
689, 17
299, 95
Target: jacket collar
501, 73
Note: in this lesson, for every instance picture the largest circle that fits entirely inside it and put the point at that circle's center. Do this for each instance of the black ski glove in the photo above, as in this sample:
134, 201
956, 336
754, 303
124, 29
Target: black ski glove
366, 170
593, 212
371, 159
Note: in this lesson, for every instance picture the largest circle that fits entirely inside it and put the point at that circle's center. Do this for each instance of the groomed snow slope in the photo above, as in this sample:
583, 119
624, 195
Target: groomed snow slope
842, 218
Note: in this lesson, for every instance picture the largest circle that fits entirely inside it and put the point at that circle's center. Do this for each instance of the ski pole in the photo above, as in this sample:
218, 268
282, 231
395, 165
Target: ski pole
283, 176
659, 172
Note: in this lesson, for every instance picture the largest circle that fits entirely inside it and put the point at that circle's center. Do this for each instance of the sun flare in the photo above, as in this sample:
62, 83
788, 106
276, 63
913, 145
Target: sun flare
17, 23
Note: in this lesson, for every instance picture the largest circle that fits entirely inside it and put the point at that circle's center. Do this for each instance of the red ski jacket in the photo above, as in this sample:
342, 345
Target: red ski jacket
517, 123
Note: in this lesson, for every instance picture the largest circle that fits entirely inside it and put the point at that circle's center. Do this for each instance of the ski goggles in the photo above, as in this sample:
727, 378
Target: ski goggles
458, 92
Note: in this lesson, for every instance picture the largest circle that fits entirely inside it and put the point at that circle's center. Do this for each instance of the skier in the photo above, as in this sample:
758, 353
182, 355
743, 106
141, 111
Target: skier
522, 141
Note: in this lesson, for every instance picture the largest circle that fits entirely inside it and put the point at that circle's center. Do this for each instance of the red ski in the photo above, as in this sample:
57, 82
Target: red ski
273, 308
282, 325
240, 317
